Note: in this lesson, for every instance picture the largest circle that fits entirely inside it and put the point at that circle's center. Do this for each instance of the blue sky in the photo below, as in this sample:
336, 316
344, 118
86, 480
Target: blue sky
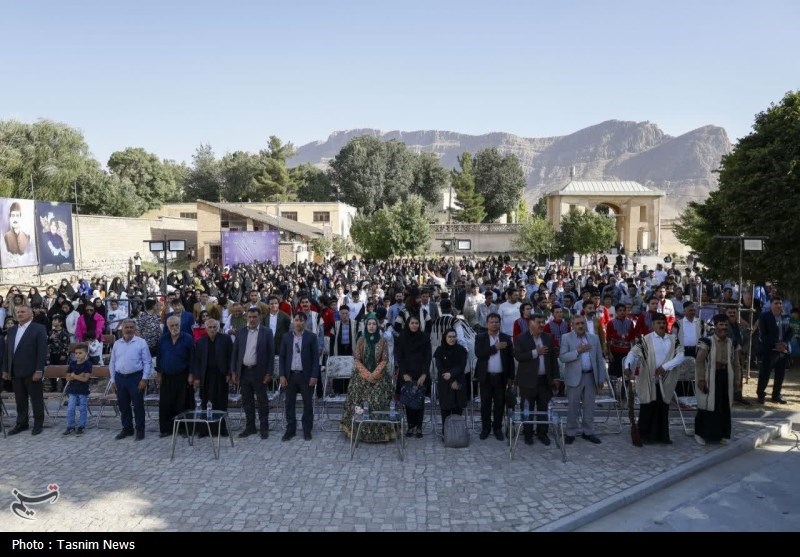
168, 76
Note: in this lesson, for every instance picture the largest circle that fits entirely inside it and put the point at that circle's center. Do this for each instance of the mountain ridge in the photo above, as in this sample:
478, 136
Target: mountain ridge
682, 166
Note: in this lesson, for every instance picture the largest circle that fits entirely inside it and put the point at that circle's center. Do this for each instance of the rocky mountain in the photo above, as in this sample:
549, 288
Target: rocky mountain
683, 167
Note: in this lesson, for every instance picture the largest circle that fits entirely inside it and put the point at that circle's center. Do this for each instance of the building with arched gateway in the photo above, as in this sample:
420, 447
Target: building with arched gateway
636, 208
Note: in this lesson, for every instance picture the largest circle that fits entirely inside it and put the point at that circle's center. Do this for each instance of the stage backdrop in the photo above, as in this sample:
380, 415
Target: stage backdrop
54, 235
246, 247
18, 227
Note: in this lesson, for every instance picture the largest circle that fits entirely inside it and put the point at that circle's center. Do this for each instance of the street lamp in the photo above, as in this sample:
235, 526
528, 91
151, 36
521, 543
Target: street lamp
167, 246
746, 243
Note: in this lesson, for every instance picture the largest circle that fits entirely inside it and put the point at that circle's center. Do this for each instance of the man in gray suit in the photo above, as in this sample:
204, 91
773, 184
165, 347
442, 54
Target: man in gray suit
24, 359
584, 375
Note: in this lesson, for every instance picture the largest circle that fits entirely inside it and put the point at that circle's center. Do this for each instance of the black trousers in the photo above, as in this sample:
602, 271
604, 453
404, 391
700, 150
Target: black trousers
25, 387
415, 417
299, 384
493, 391
654, 420
172, 399
215, 390
769, 362
538, 398
254, 391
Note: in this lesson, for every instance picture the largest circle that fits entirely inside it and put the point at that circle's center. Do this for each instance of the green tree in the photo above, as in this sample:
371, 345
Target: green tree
540, 208
205, 179
179, 173
585, 232
500, 180
313, 184
468, 200
321, 245
148, 176
763, 166
272, 181
522, 213
429, 179
369, 173
43, 160
536, 238
400, 230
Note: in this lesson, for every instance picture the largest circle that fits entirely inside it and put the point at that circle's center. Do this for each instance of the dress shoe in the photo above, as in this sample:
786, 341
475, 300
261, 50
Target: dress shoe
544, 439
592, 439
139, 435
123, 434
307, 436
498, 434
37, 429
411, 431
779, 400
287, 436
202, 433
17, 429
79, 431
164, 434
761, 399
700, 441
247, 433
68, 431
724, 441
265, 434
418, 434
569, 439
529, 440
484, 434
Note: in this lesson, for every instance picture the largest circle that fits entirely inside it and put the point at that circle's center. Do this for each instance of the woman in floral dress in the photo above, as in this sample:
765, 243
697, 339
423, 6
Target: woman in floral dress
371, 382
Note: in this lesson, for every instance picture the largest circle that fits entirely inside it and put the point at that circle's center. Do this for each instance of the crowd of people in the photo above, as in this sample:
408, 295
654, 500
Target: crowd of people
447, 328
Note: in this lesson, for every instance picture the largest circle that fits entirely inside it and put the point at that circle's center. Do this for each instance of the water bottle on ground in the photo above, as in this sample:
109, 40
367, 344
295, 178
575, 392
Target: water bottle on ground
392, 410
209, 410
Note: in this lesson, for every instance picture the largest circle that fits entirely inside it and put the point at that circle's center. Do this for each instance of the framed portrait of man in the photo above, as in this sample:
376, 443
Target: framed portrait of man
17, 224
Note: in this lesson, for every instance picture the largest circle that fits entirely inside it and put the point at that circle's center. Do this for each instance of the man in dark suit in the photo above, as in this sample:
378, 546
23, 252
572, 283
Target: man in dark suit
537, 372
299, 369
776, 334
253, 362
494, 368
213, 355
277, 322
24, 358
428, 310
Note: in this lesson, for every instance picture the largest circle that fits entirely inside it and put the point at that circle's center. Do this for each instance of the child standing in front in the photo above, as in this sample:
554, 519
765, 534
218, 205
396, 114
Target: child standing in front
78, 375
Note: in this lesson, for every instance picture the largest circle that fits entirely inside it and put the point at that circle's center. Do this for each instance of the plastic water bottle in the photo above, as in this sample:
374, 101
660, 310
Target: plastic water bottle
366, 410
527, 412
197, 402
551, 414
392, 410
209, 410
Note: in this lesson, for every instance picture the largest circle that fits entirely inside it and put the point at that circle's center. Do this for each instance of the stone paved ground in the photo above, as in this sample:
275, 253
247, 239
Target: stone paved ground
268, 485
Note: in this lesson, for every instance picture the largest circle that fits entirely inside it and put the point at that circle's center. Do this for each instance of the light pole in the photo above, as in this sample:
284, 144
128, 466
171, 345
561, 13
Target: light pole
746, 243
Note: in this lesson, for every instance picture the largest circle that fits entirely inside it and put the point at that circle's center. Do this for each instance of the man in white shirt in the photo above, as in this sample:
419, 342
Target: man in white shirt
689, 330
509, 311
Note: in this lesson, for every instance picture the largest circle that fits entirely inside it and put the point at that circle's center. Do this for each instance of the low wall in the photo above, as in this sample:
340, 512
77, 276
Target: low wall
485, 238
105, 245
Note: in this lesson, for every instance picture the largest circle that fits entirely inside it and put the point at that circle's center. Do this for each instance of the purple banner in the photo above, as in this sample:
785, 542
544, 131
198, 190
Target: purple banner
246, 247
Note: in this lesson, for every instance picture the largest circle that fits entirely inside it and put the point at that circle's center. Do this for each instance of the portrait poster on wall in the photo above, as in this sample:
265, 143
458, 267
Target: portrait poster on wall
54, 236
18, 227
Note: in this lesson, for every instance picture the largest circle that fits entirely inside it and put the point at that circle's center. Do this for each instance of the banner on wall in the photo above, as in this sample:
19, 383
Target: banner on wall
54, 236
247, 247
18, 227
